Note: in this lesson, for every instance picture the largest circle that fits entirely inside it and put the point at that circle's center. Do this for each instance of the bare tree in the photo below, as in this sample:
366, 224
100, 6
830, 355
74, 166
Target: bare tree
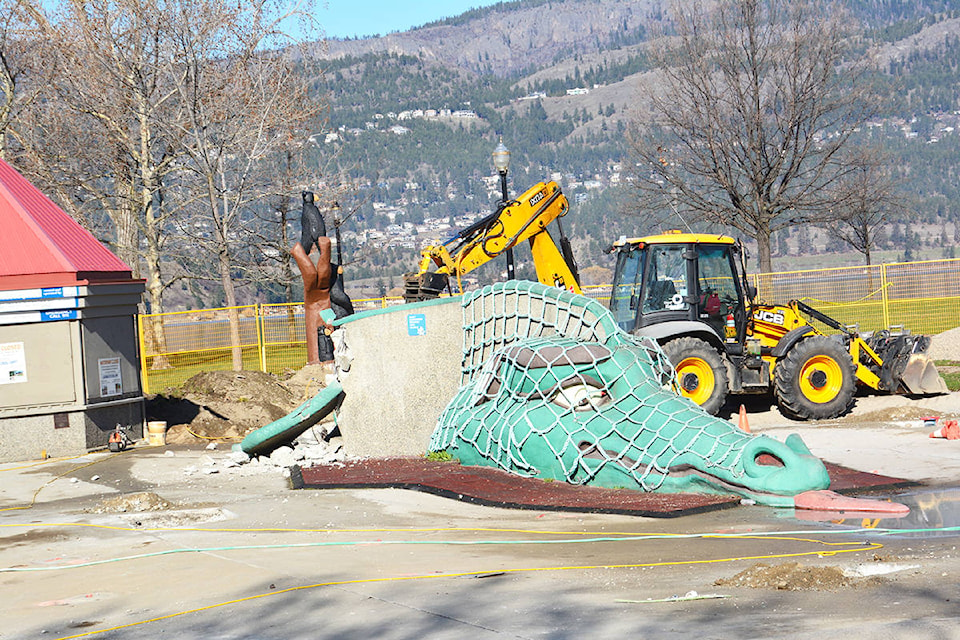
27, 70
32, 119
110, 110
240, 94
149, 96
13, 63
870, 197
270, 236
757, 101
114, 77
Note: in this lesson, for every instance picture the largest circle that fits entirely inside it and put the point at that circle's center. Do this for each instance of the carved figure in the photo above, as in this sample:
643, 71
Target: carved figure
322, 285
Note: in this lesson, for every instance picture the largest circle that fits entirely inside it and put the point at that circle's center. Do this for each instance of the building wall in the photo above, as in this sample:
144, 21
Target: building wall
53, 434
60, 408
51, 354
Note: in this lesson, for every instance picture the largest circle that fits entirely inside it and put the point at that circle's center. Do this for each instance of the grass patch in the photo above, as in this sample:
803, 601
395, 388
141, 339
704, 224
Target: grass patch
440, 456
952, 380
950, 372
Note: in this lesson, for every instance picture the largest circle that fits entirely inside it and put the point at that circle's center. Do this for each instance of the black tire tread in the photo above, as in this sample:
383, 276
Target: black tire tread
791, 401
680, 348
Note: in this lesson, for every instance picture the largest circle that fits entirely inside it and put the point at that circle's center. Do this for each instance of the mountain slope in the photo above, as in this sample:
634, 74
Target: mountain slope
509, 37
512, 66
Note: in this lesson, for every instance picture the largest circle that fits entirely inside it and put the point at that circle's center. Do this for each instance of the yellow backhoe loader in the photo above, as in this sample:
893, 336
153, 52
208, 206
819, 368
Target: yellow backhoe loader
525, 218
690, 293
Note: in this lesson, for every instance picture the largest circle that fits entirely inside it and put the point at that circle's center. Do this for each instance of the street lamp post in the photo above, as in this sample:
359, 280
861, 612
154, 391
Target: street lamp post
501, 160
336, 226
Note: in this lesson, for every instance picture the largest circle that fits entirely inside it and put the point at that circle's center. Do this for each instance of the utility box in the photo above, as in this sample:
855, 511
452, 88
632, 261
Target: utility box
68, 341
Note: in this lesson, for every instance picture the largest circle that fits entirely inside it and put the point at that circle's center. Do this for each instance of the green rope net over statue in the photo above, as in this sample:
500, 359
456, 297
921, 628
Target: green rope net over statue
552, 388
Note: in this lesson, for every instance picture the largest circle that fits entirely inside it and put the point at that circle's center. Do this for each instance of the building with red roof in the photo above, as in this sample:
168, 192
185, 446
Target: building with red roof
42, 246
69, 361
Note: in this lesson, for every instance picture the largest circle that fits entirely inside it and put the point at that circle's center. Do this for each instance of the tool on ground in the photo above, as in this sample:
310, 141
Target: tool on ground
119, 440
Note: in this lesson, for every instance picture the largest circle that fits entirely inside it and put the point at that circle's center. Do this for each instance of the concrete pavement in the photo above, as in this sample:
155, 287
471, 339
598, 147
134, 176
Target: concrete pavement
399, 564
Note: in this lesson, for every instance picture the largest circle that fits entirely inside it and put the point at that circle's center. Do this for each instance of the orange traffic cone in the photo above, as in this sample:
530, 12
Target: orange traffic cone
743, 424
950, 430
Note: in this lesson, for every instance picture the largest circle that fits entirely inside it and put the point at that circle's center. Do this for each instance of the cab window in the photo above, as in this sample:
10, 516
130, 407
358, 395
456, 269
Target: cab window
665, 284
716, 274
718, 289
626, 290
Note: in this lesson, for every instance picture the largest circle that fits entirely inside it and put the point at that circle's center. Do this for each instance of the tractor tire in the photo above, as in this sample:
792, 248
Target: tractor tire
701, 372
816, 380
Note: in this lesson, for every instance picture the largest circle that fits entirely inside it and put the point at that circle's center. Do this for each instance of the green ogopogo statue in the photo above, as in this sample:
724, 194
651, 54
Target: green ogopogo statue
553, 388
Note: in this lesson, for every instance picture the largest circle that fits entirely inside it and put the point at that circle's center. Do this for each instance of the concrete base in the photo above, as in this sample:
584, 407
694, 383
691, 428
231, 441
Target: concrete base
404, 369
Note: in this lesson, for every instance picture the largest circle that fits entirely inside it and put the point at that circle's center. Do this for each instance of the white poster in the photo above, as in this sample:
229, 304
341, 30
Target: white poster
13, 363
110, 382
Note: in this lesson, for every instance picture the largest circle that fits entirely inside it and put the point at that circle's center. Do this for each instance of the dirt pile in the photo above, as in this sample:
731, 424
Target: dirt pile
227, 405
308, 381
133, 503
790, 576
911, 414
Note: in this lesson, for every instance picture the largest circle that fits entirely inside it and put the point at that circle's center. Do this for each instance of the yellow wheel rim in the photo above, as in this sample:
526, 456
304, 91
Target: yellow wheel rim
696, 379
821, 379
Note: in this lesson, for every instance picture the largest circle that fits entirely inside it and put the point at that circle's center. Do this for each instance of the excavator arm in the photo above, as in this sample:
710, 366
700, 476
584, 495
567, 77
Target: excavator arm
525, 218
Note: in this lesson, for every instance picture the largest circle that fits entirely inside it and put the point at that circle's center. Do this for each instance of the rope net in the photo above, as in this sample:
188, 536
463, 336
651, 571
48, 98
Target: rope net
552, 387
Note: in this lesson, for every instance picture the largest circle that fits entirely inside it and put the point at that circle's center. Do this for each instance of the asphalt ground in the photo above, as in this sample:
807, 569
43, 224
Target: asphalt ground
238, 554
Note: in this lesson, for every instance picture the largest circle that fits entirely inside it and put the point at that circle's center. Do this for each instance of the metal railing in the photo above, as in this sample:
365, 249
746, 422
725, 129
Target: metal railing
922, 297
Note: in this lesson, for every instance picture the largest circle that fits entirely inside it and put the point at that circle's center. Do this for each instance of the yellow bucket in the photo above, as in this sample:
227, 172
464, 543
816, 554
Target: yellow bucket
157, 432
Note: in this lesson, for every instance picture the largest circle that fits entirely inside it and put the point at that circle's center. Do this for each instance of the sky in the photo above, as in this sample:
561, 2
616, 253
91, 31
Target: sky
348, 18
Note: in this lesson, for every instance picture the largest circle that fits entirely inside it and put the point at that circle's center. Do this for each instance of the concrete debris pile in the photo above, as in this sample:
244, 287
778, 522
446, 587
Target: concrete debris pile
311, 448
133, 502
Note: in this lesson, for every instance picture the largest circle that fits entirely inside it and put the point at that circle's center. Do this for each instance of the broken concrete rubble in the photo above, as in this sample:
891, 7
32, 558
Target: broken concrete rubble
309, 450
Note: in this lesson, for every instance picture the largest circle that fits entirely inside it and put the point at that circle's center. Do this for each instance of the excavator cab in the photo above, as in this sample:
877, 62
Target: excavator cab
685, 291
664, 283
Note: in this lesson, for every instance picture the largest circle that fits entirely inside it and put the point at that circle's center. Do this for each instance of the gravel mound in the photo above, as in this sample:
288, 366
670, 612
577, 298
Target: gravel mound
134, 502
945, 346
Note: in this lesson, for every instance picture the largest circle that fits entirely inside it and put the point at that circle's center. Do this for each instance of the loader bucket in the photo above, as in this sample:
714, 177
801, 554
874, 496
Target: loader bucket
906, 368
423, 286
920, 377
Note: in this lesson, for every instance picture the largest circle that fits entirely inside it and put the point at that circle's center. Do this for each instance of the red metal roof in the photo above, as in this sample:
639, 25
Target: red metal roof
42, 246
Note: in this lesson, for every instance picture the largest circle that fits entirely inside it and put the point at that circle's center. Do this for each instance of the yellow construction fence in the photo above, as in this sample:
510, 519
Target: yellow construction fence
922, 297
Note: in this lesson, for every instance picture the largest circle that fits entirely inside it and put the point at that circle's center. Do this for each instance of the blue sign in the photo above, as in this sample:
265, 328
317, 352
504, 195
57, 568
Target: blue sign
47, 316
38, 294
416, 324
